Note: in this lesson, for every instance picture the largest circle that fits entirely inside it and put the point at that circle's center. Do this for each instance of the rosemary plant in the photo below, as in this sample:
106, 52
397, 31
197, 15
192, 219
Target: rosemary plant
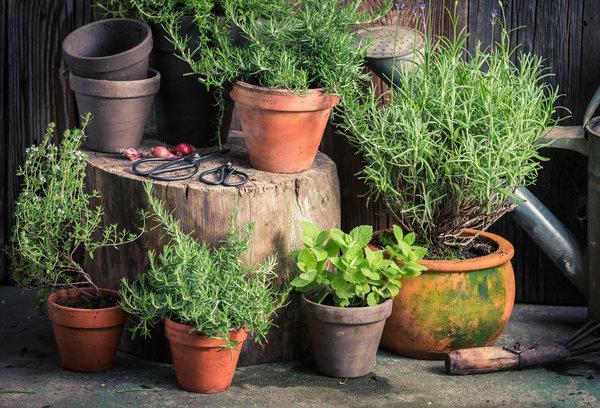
461, 132
213, 291
54, 224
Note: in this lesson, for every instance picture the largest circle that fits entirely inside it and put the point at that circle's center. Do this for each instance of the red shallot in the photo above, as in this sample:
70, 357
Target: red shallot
182, 149
162, 152
133, 154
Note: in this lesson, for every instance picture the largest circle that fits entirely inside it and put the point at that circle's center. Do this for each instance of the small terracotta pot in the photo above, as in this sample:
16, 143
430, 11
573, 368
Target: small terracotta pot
453, 305
282, 131
87, 339
345, 339
119, 109
113, 50
202, 365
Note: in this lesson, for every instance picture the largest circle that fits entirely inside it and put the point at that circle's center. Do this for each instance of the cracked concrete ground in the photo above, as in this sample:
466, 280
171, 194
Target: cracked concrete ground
29, 363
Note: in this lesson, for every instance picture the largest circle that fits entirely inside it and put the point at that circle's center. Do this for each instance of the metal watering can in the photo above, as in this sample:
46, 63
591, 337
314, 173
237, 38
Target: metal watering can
578, 261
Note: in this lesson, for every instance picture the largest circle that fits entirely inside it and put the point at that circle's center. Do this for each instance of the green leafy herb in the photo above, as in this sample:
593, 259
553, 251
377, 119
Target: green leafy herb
213, 291
363, 276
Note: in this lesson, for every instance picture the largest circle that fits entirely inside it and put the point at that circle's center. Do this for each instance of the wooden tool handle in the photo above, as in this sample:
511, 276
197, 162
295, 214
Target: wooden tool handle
480, 360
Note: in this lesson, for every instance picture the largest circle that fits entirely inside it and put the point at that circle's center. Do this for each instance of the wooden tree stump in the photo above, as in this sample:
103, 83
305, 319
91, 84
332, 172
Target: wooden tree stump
276, 202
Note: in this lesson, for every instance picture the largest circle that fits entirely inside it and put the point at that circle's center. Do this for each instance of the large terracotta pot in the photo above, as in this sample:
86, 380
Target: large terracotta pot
345, 339
113, 50
453, 305
87, 339
184, 109
282, 131
202, 365
119, 109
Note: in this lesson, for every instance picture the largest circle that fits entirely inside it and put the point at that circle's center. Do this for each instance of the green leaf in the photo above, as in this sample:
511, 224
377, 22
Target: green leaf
398, 233
419, 253
308, 259
409, 239
309, 276
321, 295
299, 282
321, 238
320, 254
310, 231
307, 242
371, 274
338, 283
362, 235
307, 287
332, 248
372, 299
338, 263
354, 276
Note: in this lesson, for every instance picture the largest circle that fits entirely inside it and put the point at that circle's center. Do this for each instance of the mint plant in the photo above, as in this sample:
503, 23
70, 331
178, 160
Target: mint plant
213, 291
54, 224
364, 277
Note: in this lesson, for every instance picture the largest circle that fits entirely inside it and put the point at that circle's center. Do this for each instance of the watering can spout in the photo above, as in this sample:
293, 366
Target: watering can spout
552, 237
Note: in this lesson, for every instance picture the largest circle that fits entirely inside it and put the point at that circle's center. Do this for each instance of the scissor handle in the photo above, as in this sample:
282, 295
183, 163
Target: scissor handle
151, 159
223, 178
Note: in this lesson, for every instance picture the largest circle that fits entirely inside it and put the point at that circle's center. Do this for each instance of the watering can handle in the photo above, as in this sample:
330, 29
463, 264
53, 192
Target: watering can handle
591, 107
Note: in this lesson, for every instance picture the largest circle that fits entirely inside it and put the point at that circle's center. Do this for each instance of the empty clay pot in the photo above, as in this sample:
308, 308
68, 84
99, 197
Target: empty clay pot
201, 365
119, 110
184, 110
115, 50
452, 305
282, 131
345, 339
87, 339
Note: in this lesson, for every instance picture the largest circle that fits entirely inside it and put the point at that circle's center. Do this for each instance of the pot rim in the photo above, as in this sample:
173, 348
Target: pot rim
502, 255
173, 332
142, 47
113, 293
259, 97
348, 315
116, 89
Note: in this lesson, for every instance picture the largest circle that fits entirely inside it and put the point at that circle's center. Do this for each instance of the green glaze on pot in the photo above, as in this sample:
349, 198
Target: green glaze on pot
446, 309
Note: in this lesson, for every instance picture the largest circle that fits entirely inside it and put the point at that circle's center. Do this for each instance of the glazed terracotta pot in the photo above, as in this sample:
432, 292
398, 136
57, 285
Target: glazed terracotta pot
282, 131
345, 339
114, 50
184, 110
202, 365
453, 305
87, 339
119, 109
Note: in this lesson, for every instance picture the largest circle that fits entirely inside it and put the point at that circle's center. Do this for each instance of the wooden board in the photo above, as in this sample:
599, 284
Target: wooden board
276, 202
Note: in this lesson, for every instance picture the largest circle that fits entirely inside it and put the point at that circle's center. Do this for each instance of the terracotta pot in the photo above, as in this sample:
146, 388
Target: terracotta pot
87, 339
119, 110
202, 365
453, 305
282, 131
184, 110
114, 50
345, 339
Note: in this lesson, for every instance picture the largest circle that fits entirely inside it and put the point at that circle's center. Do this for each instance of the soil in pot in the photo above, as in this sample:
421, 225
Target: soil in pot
115, 50
282, 131
453, 305
202, 365
87, 339
345, 339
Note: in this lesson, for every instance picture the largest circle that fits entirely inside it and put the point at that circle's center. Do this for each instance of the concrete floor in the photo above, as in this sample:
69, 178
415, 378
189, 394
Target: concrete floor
29, 362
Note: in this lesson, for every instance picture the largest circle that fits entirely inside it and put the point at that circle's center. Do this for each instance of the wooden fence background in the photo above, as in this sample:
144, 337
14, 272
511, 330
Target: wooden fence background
35, 91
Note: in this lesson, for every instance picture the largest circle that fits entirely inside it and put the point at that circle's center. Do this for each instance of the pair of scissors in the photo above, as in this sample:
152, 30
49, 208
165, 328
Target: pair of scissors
173, 165
223, 177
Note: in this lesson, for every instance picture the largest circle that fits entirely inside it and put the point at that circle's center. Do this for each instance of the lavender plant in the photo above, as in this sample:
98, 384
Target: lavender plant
457, 137
54, 224
213, 291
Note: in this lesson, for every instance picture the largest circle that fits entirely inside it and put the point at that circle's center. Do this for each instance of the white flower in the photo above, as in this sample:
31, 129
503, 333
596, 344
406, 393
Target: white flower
57, 167
43, 179
27, 162
50, 155
27, 150
60, 211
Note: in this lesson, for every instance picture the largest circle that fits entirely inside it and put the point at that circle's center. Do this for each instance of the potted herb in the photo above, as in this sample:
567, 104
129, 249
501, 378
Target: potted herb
444, 154
287, 75
347, 313
54, 227
210, 300
185, 109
